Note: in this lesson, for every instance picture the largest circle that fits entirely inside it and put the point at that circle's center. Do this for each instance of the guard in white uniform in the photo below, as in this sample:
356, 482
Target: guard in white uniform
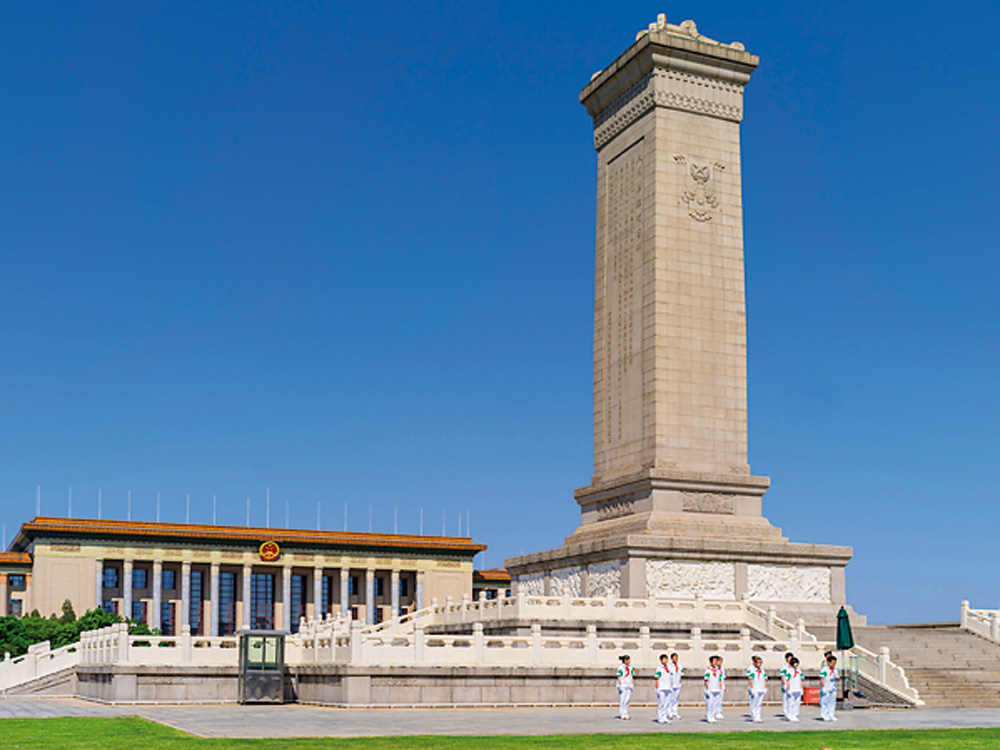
828, 677
794, 689
676, 672
663, 690
625, 685
757, 684
783, 675
715, 678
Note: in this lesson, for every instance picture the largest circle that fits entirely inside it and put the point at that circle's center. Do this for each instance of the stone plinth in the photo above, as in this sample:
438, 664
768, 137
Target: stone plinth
672, 508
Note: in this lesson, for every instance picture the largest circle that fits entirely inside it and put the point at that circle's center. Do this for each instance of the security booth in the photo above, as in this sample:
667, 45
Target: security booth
262, 666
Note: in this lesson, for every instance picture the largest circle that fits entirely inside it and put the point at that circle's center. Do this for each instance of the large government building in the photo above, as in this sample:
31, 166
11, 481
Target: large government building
219, 579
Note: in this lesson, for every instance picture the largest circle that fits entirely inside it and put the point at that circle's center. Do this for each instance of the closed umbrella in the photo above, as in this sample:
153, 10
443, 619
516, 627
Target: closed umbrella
845, 638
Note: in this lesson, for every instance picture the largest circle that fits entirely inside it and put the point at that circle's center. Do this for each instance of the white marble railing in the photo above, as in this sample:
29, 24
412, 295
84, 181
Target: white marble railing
881, 670
38, 662
114, 645
982, 622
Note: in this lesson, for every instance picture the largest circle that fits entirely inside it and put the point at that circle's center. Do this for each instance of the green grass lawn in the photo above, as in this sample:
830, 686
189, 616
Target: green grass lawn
132, 733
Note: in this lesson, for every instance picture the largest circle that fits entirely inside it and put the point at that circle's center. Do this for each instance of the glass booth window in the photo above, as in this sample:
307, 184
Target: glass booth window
109, 579
169, 580
139, 578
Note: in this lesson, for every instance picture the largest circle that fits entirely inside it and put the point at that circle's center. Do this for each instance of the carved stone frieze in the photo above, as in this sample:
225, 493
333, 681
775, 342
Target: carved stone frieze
674, 578
566, 581
532, 584
788, 583
604, 578
658, 89
707, 502
616, 507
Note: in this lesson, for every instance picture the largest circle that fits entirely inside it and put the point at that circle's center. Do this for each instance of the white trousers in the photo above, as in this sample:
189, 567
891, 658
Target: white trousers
784, 703
828, 704
713, 705
663, 704
624, 696
794, 703
756, 704
674, 698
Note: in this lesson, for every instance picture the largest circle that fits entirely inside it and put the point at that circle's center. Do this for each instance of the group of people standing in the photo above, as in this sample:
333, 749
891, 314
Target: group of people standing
668, 676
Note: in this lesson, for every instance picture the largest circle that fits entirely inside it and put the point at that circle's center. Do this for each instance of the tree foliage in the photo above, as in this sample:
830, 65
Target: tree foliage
17, 633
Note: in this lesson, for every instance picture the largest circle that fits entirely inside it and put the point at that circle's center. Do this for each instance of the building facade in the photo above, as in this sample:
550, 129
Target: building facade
220, 579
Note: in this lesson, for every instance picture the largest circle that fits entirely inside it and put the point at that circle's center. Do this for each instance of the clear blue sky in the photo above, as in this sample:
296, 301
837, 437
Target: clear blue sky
345, 251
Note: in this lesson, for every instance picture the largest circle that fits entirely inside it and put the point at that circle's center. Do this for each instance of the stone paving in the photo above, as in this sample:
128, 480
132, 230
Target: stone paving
311, 721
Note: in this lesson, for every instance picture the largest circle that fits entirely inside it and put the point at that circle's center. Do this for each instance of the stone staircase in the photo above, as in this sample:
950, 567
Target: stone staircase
950, 667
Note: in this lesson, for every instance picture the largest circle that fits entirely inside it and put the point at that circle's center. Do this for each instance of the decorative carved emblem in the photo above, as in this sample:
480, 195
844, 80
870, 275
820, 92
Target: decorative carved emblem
269, 551
615, 508
699, 194
706, 502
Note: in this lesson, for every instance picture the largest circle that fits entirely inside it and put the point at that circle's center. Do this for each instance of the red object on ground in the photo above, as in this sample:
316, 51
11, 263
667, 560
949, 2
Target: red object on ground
810, 696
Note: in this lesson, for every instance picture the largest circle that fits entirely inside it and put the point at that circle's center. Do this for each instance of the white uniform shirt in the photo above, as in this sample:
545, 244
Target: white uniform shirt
757, 679
794, 680
662, 675
715, 678
828, 679
676, 672
625, 676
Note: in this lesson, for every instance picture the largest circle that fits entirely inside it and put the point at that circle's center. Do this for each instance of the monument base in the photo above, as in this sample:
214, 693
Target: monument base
673, 534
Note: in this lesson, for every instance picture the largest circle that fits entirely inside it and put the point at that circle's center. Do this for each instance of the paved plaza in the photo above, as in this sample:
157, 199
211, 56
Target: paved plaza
309, 721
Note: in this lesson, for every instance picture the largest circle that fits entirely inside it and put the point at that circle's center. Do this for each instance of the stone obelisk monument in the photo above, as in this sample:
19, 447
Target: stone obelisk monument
672, 508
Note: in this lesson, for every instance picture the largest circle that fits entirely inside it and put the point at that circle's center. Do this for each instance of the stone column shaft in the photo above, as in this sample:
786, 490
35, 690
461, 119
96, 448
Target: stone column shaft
318, 593
370, 596
127, 589
420, 589
395, 592
286, 598
213, 600
345, 591
185, 594
247, 596
154, 616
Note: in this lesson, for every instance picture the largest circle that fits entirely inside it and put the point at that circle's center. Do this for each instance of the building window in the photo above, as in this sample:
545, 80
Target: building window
139, 578
298, 603
167, 626
195, 603
227, 603
379, 586
169, 580
379, 614
109, 578
404, 588
355, 613
16, 580
110, 606
352, 586
327, 592
262, 601
139, 612
14, 607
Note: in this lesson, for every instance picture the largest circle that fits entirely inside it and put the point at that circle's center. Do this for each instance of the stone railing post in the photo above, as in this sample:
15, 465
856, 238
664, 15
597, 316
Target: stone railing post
745, 643
645, 646
797, 636
771, 615
355, 642
592, 652
697, 649
965, 615
536, 643
418, 642
609, 607
699, 608
883, 664
185, 643
123, 650
478, 642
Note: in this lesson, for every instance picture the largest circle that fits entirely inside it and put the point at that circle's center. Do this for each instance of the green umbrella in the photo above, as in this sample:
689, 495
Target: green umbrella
845, 639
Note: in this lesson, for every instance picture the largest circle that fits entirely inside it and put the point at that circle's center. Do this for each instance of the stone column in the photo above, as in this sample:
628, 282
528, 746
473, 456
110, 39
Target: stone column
345, 591
247, 573
213, 600
420, 589
286, 598
127, 589
395, 592
98, 584
369, 596
154, 617
185, 595
318, 594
